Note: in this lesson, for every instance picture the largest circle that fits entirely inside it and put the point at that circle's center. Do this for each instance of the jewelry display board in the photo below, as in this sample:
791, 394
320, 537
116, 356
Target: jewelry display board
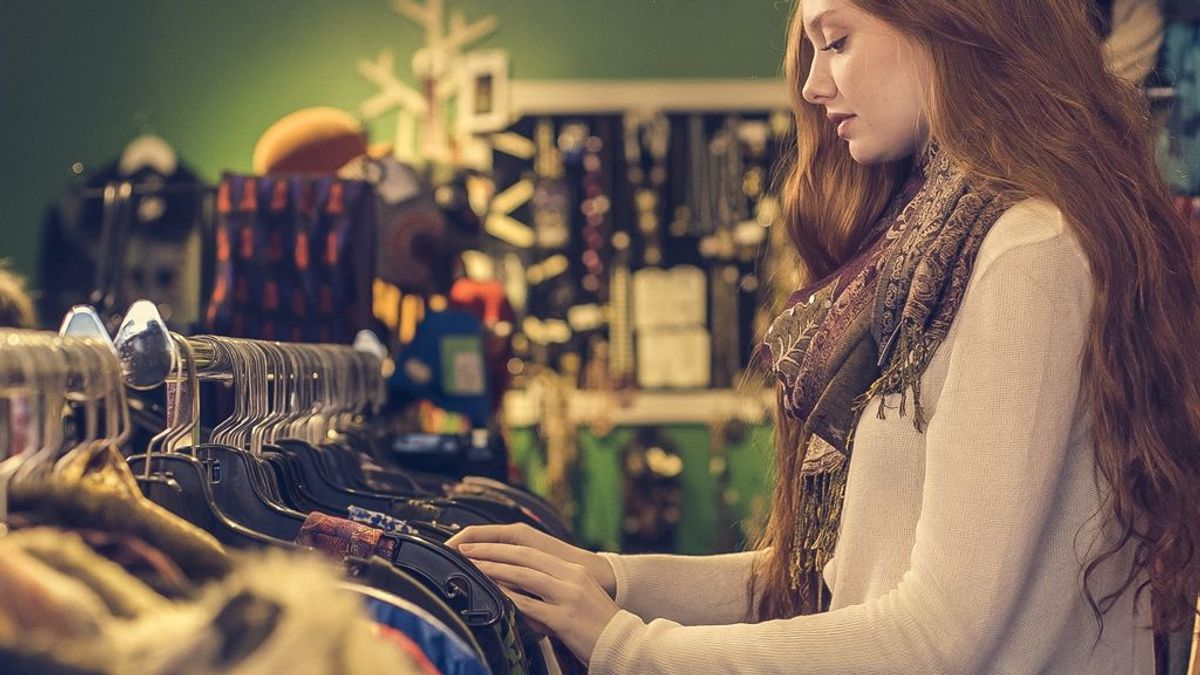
641, 238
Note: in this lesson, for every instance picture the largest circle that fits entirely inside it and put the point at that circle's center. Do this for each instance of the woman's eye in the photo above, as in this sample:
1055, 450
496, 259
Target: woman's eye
835, 46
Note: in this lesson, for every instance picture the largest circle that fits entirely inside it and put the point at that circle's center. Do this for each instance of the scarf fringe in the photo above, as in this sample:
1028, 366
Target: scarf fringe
902, 373
818, 519
819, 512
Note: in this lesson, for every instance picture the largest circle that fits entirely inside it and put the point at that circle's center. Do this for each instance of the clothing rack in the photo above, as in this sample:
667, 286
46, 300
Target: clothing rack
63, 489
211, 363
156, 189
298, 465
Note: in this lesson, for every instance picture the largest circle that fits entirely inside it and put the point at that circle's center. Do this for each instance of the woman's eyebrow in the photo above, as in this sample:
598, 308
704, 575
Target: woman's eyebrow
817, 20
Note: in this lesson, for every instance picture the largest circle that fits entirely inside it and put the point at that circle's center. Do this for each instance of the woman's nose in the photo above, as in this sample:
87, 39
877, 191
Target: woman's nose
819, 87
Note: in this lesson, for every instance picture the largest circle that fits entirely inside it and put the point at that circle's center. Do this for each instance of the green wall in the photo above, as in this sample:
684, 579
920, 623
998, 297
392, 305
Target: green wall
79, 79
736, 501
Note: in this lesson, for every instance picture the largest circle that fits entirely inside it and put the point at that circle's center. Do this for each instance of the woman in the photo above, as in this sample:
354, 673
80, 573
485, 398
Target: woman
989, 414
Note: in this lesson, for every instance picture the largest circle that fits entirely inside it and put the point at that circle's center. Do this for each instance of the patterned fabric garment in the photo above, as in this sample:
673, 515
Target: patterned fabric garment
344, 538
869, 329
292, 259
382, 521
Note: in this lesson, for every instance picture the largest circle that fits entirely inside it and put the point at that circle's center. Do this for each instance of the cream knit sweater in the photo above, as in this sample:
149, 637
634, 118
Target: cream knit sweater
960, 549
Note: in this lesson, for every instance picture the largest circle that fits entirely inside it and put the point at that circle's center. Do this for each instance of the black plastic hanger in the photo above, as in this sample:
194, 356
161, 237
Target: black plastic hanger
538, 506
379, 573
179, 483
236, 484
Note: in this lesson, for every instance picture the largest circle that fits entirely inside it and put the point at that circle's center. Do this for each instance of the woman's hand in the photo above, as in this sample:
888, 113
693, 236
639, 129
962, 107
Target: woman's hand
524, 535
561, 596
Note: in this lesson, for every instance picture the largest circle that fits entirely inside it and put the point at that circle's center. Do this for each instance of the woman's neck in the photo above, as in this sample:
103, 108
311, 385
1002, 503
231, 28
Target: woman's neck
924, 156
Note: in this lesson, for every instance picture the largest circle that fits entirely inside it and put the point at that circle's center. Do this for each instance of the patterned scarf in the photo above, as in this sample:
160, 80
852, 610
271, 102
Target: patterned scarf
871, 328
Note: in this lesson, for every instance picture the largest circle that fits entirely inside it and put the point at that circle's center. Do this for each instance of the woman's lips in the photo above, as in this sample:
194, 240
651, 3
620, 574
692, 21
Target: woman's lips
841, 127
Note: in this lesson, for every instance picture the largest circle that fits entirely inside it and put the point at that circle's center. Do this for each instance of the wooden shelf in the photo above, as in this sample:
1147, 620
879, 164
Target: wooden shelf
523, 408
579, 97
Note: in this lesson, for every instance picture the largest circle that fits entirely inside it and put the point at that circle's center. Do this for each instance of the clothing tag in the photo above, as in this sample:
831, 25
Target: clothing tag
691, 358
674, 358
688, 292
462, 365
653, 368
650, 301
676, 297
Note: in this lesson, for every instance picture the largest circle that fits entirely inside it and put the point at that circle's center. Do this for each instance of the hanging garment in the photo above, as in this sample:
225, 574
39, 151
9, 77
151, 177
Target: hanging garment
86, 505
416, 250
344, 538
111, 252
1180, 60
501, 639
293, 259
1134, 36
445, 364
381, 521
408, 646
274, 612
123, 595
246, 499
450, 655
43, 604
153, 567
382, 575
487, 300
1181, 10
599, 521
265, 613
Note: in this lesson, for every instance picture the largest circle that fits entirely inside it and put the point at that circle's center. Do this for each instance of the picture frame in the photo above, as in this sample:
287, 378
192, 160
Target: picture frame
485, 99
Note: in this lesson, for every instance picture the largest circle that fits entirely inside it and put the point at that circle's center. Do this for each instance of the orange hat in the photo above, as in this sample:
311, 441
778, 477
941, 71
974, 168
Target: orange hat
312, 140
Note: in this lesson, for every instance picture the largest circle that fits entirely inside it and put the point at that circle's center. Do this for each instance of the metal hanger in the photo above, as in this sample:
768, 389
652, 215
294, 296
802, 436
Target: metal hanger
181, 482
40, 374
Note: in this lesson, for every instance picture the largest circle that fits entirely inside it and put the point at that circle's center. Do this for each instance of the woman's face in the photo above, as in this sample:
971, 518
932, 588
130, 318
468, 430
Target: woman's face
869, 78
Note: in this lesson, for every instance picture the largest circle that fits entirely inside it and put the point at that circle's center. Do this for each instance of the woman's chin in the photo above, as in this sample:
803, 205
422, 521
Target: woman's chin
863, 155
866, 154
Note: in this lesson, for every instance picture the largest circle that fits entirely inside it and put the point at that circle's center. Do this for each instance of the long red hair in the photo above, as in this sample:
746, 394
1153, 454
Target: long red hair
1021, 100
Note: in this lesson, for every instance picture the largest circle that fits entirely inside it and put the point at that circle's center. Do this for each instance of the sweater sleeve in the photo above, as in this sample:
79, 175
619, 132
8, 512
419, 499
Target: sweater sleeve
665, 586
994, 455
